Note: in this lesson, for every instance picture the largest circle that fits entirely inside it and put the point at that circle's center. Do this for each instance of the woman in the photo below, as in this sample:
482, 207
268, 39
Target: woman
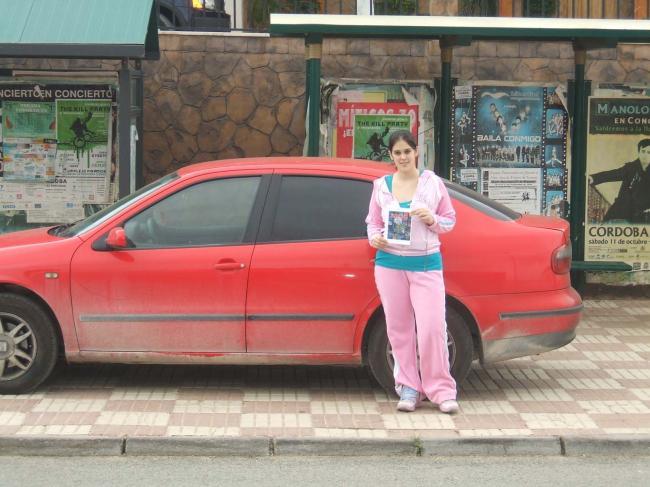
409, 277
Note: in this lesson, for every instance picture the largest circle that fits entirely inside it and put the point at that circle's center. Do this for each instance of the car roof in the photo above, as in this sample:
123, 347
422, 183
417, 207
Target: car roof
287, 162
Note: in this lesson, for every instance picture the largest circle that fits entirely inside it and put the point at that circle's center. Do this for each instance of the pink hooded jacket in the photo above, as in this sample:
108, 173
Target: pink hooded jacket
430, 193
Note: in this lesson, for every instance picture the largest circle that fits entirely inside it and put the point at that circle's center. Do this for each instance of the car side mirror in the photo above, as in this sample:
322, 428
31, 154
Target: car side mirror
116, 238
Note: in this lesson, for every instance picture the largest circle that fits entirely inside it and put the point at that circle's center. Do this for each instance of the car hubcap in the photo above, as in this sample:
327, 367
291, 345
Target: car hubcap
17, 346
451, 347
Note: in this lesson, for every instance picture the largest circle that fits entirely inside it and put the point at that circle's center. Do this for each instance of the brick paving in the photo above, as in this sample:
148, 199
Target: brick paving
597, 385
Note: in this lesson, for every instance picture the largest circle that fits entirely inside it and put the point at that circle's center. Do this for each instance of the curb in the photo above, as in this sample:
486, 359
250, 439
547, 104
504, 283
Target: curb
344, 447
198, 446
612, 445
637, 445
493, 446
60, 446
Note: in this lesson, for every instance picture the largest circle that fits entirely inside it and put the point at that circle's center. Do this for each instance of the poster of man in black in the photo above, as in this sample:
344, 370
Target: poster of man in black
617, 217
633, 200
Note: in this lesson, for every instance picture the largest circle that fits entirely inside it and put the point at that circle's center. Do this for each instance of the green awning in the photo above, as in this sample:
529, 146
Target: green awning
464, 29
106, 29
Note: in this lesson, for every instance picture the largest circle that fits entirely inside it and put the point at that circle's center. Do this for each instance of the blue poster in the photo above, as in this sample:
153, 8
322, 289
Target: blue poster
507, 128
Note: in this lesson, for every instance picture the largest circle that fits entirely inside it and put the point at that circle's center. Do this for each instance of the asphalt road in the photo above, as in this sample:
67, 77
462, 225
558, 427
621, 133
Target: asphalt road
325, 471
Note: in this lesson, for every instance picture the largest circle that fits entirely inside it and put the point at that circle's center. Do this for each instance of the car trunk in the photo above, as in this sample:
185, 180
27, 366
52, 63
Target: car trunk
549, 235
538, 221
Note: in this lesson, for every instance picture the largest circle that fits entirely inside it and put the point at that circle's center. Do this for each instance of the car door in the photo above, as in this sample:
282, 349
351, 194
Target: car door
311, 272
180, 285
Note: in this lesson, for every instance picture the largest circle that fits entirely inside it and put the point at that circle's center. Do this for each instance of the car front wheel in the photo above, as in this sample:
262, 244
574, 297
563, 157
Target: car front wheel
28, 344
459, 344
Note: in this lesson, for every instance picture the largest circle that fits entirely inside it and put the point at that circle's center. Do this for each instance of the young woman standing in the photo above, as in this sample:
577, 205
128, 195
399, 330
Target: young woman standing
409, 277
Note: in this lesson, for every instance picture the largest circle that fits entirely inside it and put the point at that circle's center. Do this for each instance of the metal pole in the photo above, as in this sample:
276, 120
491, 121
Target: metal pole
139, 113
444, 164
124, 129
578, 164
313, 52
307, 77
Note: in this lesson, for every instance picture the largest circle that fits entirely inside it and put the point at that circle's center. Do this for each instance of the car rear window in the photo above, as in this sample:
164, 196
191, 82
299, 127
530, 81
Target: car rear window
481, 203
321, 208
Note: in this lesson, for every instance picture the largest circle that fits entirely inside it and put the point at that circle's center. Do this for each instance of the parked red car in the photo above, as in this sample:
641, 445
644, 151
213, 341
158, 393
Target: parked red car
265, 261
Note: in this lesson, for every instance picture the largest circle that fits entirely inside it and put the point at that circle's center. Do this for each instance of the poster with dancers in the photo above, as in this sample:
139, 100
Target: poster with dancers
512, 129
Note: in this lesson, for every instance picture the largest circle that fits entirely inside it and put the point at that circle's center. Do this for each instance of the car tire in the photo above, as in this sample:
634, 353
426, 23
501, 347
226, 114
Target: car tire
461, 350
28, 344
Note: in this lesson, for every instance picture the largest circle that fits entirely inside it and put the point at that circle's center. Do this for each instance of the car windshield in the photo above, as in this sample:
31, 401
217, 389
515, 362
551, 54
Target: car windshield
72, 229
481, 203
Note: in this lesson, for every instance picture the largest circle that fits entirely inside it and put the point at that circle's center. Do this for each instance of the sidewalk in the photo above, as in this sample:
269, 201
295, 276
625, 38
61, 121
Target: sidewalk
598, 386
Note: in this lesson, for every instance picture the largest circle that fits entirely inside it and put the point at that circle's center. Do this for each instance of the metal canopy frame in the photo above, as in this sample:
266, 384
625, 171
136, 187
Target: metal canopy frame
76, 51
60, 44
34, 28
450, 31
468, 28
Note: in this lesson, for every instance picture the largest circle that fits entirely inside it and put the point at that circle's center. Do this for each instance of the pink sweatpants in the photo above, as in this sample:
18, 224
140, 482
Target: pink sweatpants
409, 297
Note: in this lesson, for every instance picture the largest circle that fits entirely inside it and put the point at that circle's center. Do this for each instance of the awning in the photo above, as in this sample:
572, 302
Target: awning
464, 29
106, 29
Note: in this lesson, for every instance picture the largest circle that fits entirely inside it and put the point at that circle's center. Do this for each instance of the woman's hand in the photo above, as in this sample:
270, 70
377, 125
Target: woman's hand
378, 242
425, 215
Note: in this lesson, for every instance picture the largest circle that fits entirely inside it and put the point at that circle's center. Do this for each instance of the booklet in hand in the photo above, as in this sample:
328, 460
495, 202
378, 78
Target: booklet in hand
398, 226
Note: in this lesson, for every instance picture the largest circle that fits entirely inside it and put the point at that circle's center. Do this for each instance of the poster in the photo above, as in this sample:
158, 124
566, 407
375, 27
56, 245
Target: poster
372, 133
83, 134
617, 219
1, 156
28, 140
32, 120
374, 147
419, 96
519, 189
519, 133
28, 159
55, 150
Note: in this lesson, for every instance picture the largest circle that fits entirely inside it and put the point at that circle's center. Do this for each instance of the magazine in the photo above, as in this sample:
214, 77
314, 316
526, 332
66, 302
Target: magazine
398, 226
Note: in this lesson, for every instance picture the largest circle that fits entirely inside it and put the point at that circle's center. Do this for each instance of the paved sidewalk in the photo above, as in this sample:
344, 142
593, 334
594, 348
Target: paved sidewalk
598, 385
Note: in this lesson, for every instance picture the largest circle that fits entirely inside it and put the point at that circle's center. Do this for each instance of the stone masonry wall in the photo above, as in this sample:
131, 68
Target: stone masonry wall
217, 97
229, 96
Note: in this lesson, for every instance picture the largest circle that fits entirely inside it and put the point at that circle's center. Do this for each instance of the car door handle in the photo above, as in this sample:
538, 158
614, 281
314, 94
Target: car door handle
229, 266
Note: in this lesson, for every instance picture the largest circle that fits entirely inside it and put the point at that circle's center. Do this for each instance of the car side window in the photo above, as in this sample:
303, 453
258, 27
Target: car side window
209, 213
320, 208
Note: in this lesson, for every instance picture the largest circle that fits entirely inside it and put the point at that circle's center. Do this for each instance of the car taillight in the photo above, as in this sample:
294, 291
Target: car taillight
561, 259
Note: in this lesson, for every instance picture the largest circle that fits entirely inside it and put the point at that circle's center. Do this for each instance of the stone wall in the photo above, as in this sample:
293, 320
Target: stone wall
530, 61
227, 96
215, 96
218, 97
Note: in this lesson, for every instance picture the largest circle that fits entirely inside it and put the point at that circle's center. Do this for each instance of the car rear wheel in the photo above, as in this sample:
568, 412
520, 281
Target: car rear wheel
459, 343
28, 344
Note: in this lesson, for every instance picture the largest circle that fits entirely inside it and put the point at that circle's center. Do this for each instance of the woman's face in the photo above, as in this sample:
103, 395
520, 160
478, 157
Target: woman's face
404, 156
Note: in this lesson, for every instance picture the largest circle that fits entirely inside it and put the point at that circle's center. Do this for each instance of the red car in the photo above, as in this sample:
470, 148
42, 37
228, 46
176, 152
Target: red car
266, 261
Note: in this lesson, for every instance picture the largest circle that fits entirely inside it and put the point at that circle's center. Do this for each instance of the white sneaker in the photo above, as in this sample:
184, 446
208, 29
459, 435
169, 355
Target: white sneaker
449, 406
409, 400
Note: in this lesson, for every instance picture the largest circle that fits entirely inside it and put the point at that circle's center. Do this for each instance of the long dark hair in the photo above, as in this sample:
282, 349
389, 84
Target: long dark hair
404, 135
